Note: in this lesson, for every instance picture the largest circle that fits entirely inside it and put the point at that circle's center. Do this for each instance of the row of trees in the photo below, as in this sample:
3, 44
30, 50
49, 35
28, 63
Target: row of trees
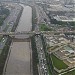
34, 19
4, 53
4, 12
34, 56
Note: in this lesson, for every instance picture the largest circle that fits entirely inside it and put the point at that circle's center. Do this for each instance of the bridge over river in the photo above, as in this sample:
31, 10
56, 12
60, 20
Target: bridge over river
31, 33
20, 55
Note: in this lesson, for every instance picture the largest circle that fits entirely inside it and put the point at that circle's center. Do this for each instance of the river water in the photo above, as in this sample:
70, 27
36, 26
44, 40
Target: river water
25, 23
20, 56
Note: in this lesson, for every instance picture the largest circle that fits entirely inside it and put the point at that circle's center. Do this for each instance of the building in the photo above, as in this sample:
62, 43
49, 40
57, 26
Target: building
68, 2
64, 18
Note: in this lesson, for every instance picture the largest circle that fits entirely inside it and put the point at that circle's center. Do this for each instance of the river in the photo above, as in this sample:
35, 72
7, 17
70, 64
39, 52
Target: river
19, 61
25, 23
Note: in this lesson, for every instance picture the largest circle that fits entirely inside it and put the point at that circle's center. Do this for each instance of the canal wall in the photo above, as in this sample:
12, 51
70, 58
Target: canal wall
17, 20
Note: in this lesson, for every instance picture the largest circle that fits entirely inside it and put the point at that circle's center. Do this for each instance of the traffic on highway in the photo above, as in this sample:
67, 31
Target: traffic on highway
42, 67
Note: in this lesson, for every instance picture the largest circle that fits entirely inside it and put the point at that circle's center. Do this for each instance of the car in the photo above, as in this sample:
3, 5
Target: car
3, 38
3, 41
36, 40
45, 73
41, 61
41, 48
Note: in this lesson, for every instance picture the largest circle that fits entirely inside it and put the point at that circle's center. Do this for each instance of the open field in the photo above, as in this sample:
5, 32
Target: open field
59, 64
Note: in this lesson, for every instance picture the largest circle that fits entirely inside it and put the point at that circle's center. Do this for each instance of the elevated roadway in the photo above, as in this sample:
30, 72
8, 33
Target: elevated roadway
34, 33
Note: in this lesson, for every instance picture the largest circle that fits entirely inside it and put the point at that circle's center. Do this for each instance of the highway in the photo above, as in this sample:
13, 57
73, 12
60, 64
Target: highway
35, 32
41, 15
42, 67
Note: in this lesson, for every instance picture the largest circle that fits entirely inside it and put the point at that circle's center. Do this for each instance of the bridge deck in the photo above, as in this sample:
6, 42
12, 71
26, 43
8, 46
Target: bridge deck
30, 33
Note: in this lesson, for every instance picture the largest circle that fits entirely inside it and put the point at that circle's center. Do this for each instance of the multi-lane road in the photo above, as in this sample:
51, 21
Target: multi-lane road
42, 67
41, 15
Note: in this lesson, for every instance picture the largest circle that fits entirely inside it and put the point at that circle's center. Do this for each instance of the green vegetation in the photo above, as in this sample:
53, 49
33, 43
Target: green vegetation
59, 64
3, 14
4, 54
63, 24
4, 11
50, 67
34, 19
72, 25
66, 23
48, 47
17, 20
70, 73
44, 27
6, 28
34, 56
54, 21
1, 38
1, 20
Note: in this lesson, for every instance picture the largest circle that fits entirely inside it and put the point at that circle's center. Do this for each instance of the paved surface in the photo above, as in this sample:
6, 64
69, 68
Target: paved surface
42, 67
19, 61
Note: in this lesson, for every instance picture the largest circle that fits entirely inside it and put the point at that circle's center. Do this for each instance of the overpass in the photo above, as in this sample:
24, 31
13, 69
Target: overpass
17, 33
31, 33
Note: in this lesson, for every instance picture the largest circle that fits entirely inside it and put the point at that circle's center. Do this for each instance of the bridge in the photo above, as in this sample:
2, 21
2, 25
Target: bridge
31, 33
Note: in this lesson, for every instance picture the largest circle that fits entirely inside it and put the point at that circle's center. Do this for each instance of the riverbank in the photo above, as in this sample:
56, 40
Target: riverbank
6, 44
34, 56
4, 53
34, 19
17, 20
